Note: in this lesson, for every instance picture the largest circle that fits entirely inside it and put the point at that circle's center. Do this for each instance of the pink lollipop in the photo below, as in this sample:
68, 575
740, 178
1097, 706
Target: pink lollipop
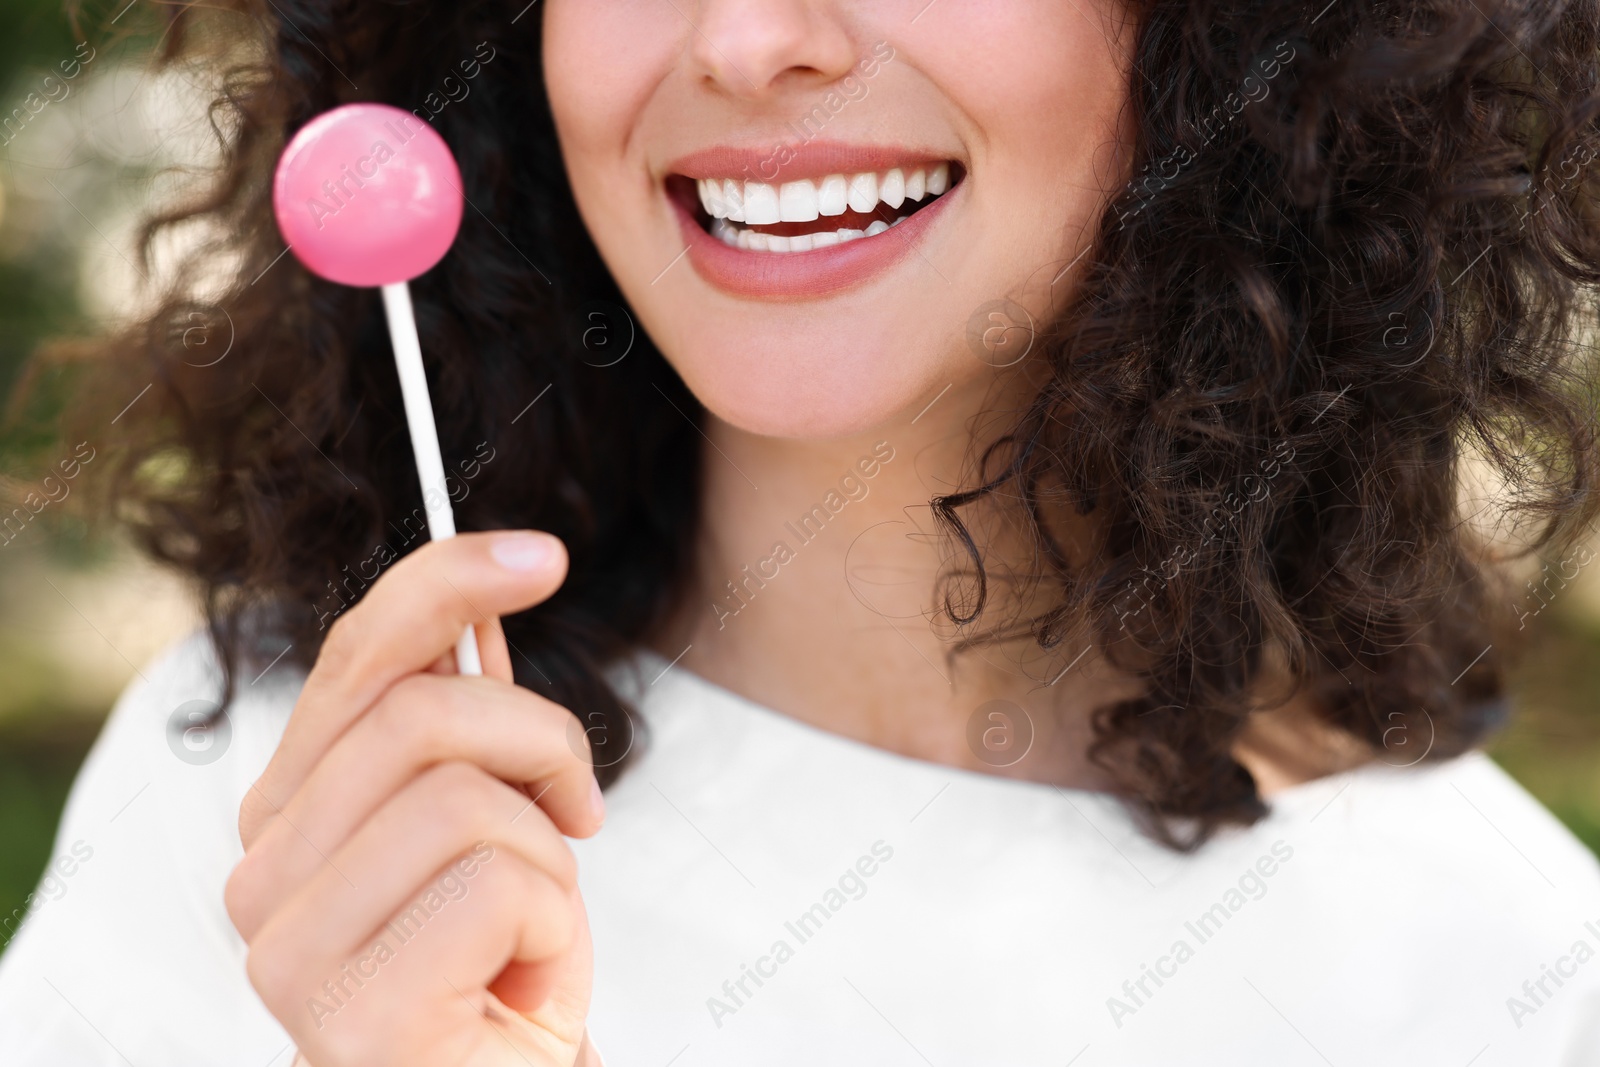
367, 194
370, 195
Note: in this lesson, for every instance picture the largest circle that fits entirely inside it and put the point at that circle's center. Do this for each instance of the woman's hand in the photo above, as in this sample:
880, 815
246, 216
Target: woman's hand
405, 902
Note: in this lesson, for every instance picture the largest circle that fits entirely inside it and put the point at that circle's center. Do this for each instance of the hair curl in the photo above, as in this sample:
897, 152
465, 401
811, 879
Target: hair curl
1353, 260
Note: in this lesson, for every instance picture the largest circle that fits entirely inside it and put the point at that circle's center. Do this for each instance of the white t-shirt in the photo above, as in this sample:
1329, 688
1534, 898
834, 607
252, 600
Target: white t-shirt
766, 893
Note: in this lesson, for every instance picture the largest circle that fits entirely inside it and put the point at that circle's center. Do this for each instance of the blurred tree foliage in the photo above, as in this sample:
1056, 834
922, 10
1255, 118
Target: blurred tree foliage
40, 750
38, 292
34, 32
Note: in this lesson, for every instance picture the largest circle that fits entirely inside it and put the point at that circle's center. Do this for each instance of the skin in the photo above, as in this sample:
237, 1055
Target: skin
393, 769
1028, 95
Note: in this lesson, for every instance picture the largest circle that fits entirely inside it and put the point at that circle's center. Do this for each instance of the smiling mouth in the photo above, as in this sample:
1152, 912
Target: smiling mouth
805, 215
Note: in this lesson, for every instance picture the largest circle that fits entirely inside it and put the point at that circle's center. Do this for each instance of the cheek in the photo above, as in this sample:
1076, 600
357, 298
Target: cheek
1039, 62
1049, 93
602, 61
1046, 92
604, 67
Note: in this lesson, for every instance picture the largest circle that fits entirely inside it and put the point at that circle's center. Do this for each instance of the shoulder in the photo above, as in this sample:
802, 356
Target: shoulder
168, 742
129, 914
168, 736
1464, 818
1463, 892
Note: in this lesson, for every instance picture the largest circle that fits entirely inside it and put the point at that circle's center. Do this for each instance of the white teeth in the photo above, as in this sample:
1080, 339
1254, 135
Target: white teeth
728, 201
711, 199
797, 202
863, 194
756, 241
833, 196
760, 204
892, 189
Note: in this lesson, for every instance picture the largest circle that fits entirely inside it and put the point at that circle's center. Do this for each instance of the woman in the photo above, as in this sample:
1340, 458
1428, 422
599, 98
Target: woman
1008, 567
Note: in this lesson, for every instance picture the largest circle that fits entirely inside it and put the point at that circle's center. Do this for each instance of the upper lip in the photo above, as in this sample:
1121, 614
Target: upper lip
791, 162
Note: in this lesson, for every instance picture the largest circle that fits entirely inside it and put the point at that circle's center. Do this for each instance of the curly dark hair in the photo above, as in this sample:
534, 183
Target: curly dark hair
1350, 269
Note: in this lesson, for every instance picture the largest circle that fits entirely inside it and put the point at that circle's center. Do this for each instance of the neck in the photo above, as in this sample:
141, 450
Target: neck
816, 592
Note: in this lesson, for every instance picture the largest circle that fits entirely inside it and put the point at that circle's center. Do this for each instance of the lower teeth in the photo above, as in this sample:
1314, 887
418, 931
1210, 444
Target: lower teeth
736, 236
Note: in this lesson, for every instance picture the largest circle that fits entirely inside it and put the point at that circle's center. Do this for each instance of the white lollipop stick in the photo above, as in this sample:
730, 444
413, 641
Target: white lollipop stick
425, 440
369, 195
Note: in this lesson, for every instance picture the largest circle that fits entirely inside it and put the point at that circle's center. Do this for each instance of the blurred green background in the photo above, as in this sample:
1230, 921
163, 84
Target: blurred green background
76, 612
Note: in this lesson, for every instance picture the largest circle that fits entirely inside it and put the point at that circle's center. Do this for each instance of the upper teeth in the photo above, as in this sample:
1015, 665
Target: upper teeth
762, 203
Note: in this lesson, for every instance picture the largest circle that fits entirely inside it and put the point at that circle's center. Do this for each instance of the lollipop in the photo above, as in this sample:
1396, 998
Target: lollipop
369, 195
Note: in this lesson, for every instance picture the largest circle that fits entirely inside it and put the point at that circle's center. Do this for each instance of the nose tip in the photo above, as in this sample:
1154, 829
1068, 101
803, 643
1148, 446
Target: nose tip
755, 49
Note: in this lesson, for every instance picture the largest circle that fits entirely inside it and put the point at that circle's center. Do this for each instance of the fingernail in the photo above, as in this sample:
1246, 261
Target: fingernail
523, 551
596, 800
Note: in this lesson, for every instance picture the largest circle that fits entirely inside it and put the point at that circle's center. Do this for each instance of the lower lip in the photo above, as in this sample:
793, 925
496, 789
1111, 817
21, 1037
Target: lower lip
801, 275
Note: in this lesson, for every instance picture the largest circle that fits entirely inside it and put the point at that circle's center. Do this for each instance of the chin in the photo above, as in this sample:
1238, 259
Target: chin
826, 372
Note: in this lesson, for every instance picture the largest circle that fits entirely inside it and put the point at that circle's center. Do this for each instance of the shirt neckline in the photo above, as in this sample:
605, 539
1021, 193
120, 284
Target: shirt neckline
655, 666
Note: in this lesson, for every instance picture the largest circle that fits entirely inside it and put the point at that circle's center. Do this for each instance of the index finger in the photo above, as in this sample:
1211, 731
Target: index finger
405, 622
